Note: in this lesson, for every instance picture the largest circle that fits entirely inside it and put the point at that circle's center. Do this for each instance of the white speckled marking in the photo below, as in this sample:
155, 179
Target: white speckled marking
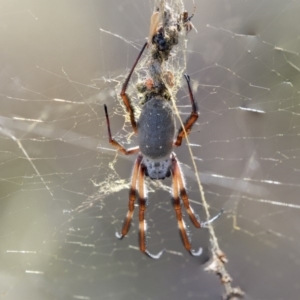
157, 169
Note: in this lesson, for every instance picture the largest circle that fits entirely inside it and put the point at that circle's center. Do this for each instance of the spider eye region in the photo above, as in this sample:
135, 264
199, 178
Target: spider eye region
157, 169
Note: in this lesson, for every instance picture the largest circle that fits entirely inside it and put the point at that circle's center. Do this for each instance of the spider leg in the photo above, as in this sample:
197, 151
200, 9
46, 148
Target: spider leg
185, 199
132, 198
183, 194
177, 207
191, 119
125, 97
115, 143
142, 225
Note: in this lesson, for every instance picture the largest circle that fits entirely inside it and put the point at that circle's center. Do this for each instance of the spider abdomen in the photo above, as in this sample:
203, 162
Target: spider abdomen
156, 129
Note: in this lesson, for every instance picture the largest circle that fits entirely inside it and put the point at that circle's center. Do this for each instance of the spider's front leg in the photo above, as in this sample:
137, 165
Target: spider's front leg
138, 175
178, 184
132, 198
176, 200
142, 225
185, 199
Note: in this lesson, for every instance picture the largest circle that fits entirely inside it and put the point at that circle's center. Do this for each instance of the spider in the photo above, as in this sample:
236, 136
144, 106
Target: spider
156, 131
187, 21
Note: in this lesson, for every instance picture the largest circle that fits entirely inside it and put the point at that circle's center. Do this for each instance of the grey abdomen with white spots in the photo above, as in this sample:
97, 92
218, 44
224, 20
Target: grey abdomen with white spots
156, 129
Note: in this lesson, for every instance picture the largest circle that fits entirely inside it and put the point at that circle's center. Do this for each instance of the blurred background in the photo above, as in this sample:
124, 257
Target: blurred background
64, 189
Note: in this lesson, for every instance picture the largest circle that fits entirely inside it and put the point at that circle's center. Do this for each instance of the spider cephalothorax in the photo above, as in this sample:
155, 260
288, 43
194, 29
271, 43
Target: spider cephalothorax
156, 135
157, 169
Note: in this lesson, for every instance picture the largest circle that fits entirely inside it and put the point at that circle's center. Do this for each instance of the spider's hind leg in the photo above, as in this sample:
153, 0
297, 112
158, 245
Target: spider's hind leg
113, 141
124, 95
188, 124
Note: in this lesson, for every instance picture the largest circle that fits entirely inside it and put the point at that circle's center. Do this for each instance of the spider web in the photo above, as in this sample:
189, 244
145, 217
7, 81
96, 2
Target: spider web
64, 189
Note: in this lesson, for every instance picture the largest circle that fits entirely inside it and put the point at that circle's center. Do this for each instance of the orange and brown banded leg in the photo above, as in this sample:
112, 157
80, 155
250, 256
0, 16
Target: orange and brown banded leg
125, 97
191, 119
142, 223
181, 223
183, 194
132, 198
114, 142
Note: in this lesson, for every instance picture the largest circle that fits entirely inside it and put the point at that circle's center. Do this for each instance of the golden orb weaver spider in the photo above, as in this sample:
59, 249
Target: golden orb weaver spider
156, 131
